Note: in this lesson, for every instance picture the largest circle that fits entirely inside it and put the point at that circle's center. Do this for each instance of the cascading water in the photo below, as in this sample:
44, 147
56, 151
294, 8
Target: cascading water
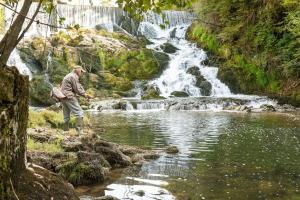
15, 60
170, 29
176, 78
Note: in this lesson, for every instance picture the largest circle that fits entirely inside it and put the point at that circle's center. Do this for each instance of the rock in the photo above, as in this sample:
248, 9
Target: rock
72, 146
50, 161
163, 60
268, 108
140, 193
129, 25
40, 92
205, 87
151, 92
100, 27
112, 154
201, 82
173, 33
179, 94
168, 48
194, 71
39, 183
83, 173
106, 198
172, 150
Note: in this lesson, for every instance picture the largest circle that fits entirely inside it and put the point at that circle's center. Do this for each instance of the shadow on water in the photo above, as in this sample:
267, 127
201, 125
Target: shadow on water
222, 155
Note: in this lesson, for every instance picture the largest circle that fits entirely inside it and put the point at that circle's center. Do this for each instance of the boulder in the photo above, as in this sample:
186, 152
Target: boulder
151, 92
172, 150
168, 48
112, 154
83, 173
268, 108
194, 71
173, 33
205, 87
38, 183
179, 94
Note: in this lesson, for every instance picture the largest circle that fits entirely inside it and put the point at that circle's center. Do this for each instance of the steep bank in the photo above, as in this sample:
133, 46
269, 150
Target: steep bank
254, 44
113, 60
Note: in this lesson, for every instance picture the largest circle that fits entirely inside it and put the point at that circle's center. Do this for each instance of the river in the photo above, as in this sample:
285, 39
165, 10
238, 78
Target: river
222, 155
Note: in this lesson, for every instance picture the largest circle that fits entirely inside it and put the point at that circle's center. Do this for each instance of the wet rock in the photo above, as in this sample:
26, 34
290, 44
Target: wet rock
129, 25
106, 198
194, 71
205, 87
83, 173
172, 150
39, 183
179, 94
162, 59
173, 33
140, 193
168, 48
201, 82
151, 92
72, 146
268, 108
112, 154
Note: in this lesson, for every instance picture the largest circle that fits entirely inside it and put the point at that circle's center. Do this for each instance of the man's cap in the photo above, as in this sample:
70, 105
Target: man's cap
79, 67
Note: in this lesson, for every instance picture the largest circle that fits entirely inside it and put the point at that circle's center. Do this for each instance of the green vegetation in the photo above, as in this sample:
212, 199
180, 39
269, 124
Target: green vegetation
82, 173
2, 20
257, 43
52, 147
113, 61
50, 118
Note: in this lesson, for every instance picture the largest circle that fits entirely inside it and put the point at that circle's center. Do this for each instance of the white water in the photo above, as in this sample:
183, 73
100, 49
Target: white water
15, 60
175, 77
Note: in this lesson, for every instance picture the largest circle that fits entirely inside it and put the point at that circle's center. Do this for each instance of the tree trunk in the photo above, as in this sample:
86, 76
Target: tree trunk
14, 97
9, 41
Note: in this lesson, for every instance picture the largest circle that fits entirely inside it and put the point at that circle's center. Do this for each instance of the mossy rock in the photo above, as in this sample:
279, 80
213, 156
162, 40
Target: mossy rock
194, 71
83, 173
117, 83
151, 92
205, 88
168, 48
179, 94
40, 91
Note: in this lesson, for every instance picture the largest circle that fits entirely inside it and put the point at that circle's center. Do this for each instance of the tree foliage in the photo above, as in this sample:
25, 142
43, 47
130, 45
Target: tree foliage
260, 36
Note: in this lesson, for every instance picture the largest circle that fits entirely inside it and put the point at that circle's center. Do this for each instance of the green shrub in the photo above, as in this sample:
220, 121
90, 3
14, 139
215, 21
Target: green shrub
53, 147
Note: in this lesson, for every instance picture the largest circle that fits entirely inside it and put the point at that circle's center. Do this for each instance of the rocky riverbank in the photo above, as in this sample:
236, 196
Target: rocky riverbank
71, 159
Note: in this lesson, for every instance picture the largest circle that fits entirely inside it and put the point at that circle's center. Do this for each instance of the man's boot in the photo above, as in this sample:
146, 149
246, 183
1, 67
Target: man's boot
79, 125
66, 126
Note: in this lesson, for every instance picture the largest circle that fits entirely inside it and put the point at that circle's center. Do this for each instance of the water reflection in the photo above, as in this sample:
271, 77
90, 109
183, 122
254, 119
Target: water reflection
222, 155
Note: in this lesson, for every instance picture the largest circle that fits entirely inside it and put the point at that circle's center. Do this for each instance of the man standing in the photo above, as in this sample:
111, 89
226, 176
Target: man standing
71, 88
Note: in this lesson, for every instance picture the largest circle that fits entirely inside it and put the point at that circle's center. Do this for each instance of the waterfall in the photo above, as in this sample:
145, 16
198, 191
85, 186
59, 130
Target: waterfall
175, 77
15, 60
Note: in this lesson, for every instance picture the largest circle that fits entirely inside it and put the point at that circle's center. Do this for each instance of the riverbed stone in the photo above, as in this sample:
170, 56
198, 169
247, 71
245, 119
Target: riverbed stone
168, 48
179, 94
172, 150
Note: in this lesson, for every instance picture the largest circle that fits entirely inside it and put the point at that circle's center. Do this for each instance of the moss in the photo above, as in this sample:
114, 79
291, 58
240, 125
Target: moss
2, 20
117, 83
137, 64
82, 173
52, 147
40, 91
